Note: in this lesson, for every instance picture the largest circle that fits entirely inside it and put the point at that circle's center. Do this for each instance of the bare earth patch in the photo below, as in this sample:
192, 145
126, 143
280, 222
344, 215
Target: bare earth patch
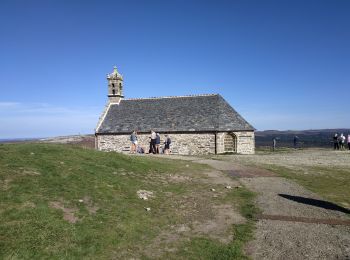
90, 206
179, 178
201, 216
144, 194
216, 228
68, 213
30, 172
216, 223
4, 185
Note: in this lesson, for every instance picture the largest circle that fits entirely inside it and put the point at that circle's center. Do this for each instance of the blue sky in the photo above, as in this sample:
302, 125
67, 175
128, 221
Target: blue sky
281, 64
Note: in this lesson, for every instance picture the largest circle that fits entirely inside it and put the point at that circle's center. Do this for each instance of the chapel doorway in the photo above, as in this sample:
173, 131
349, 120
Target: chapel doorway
230, 143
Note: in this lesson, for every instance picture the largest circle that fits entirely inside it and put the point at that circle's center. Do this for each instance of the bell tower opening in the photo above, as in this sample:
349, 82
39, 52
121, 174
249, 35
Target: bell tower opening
115, 86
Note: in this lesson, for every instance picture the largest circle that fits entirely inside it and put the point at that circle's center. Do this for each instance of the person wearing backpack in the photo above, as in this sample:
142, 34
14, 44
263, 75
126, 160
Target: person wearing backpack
167, 144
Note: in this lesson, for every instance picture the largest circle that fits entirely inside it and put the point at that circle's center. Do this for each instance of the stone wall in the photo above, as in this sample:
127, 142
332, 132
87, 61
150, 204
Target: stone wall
187, 144
245, 142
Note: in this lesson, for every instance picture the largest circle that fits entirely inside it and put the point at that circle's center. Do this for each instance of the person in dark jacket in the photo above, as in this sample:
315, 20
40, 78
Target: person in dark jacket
157, 143
295, 142
167, 144
153, 142
336, 141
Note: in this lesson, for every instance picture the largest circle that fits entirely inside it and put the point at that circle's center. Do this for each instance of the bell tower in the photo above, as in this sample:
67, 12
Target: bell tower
115, 86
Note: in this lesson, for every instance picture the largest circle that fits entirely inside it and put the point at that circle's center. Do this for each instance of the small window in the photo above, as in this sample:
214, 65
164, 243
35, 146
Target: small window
113, 91
112, 85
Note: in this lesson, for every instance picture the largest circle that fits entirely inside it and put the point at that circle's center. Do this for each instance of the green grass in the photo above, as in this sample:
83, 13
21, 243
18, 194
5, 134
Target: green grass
32, 176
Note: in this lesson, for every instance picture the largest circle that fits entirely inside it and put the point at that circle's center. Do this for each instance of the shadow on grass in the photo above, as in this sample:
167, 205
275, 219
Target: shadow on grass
316, 203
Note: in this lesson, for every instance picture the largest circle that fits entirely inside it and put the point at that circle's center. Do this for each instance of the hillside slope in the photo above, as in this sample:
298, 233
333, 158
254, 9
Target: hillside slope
64, 202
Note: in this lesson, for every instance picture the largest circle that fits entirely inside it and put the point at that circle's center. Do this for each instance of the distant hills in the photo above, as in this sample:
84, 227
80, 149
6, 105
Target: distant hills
87, 141
307, 138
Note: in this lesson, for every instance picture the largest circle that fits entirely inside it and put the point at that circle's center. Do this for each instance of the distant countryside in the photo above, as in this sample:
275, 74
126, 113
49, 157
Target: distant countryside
306, 138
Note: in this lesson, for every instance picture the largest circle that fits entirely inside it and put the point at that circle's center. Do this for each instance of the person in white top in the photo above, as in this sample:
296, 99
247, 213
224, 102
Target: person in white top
341, 141
349, 141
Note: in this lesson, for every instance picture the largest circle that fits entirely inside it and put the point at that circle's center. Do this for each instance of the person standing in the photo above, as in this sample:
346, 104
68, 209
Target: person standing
153, 142
167, 144
295, 141
157, 143
336, 141
133, 139
349, 141
274, 142
342, 141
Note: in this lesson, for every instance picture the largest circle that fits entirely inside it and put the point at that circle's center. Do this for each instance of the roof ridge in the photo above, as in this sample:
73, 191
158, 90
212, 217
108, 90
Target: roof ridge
184, 96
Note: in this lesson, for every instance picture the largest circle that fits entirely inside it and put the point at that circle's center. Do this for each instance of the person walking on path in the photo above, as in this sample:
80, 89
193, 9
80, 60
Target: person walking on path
133, 139
349, 141
167, 144
157, 143
336, 141
153, 142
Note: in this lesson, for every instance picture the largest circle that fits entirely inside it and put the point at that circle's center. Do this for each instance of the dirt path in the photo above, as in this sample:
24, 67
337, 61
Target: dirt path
295, 223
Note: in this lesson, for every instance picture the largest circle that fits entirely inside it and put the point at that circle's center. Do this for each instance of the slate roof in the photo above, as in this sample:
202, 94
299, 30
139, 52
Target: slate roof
203, 113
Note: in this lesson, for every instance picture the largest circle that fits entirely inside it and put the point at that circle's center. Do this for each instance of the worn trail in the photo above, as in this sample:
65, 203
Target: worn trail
294, 223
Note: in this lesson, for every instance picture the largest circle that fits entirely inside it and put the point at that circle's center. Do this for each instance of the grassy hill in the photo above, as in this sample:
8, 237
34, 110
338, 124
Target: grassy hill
65, 202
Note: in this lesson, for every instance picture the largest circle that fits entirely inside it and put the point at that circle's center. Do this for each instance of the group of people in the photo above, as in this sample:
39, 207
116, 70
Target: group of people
339, 141
154, 144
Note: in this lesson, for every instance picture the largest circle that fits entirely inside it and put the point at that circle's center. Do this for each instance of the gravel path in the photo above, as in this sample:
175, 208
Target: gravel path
298, 159
295, 240
271, 203
277, 239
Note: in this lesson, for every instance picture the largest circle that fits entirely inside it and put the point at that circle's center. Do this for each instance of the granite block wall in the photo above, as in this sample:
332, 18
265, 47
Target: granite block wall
185, 144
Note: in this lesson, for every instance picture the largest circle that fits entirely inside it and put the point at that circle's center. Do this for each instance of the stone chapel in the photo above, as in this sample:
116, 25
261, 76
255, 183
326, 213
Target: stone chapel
196, 124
